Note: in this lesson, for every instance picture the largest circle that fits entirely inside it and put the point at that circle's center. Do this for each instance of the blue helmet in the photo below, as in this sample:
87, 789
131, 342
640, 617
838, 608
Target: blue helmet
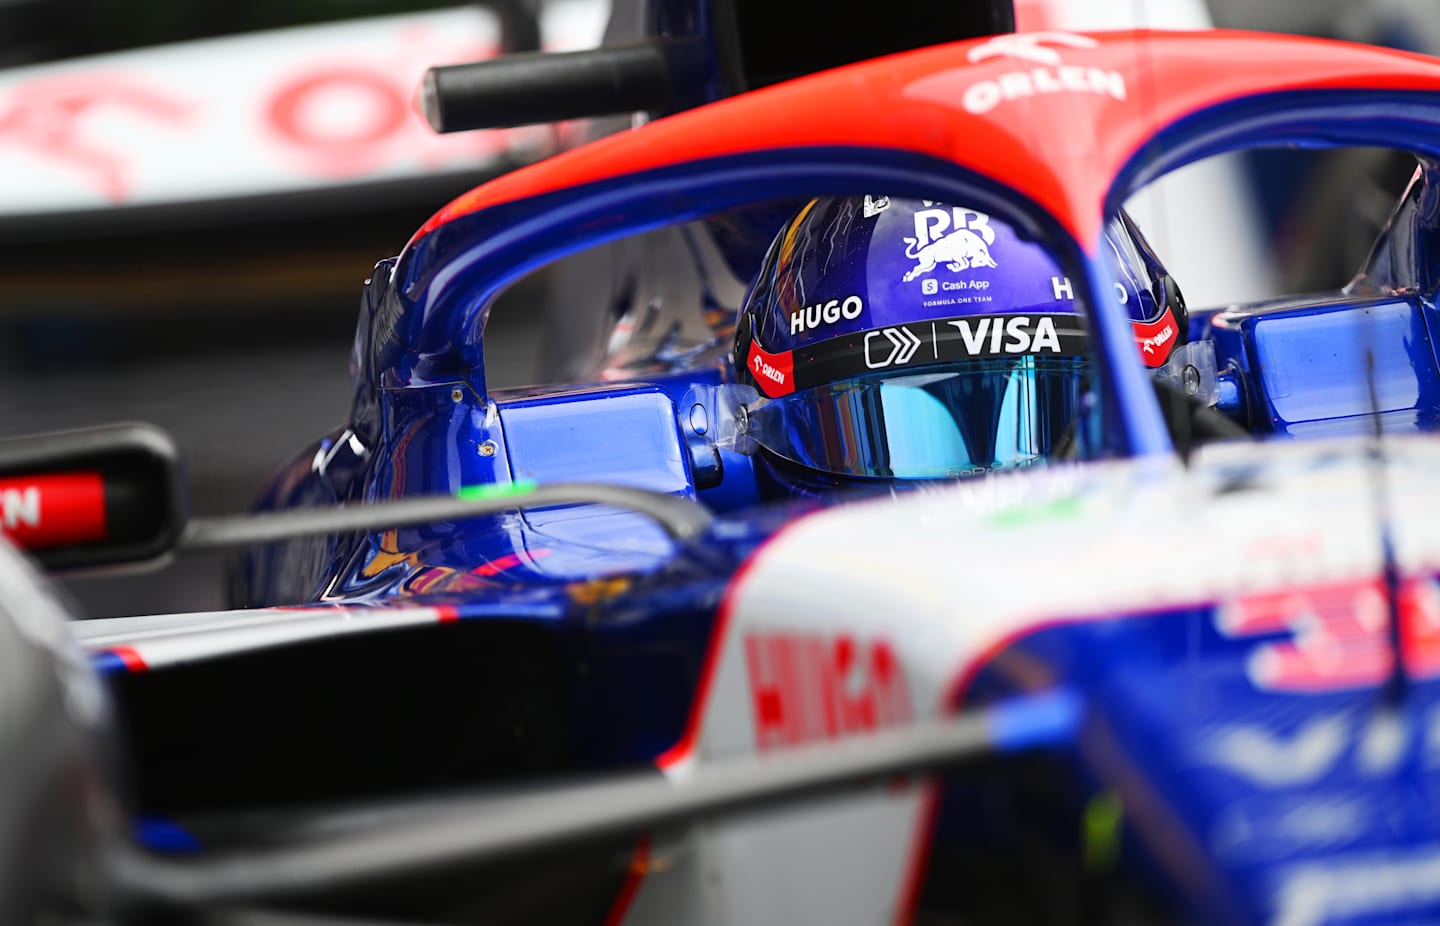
912, 339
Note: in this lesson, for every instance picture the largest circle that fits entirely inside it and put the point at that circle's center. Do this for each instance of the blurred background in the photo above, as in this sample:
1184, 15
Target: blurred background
192, 194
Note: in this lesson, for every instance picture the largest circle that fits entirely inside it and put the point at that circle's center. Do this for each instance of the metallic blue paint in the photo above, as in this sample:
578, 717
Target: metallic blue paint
627, 435
1303, 365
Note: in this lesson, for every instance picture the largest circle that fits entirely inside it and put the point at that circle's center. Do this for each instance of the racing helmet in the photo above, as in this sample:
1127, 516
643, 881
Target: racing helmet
901, 339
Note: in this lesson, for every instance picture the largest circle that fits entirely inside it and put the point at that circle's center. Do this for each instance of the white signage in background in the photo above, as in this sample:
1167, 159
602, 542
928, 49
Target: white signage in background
270, 112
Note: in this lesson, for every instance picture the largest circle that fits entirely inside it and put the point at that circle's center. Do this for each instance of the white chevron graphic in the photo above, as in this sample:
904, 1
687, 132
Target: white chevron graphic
903, 345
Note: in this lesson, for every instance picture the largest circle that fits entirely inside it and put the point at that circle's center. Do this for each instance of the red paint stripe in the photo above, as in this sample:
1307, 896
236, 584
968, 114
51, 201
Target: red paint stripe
134, 662
639, 864
447, 613
922, 838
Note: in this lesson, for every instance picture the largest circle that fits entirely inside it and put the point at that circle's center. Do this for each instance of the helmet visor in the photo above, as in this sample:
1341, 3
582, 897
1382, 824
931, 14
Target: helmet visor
934, 423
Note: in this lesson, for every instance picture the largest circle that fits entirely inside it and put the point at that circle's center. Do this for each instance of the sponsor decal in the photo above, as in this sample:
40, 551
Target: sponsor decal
1030, 46
956, 237
1338, 635
903, 344
1378, 886
20, 507
1156, 339
773, 372
1007, 335
1064, 289
826, 313
808, 686
1051, 75
1269, 758
874, 205
1273, 760
54, 509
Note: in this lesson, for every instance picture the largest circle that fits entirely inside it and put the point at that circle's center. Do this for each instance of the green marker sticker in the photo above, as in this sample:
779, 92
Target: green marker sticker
1060, 509
490, 490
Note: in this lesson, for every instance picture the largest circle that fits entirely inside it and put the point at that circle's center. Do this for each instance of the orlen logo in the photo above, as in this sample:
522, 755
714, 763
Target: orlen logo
54, 509
958, 238
1155, 338
1029, 46
1148, 345
1052, 77
20, 508
812, 316
811, 686
774, 373
766, 370
1012, 336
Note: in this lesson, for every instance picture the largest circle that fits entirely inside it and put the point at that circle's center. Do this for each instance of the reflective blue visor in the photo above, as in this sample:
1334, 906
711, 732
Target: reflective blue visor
937, 422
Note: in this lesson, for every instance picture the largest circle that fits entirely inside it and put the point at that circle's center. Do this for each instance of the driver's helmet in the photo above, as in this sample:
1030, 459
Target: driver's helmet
901, 339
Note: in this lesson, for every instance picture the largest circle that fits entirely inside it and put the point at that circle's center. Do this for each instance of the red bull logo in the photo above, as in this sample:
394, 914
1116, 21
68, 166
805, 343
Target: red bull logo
957, 237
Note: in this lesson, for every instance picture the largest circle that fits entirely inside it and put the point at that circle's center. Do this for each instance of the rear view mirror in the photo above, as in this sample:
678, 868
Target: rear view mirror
93, 497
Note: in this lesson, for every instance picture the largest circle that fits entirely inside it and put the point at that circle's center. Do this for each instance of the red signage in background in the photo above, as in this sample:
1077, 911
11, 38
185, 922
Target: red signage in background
270, 112
350, 117
43, 117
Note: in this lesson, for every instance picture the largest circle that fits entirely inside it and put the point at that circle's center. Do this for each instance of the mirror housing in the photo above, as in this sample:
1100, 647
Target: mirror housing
100, 496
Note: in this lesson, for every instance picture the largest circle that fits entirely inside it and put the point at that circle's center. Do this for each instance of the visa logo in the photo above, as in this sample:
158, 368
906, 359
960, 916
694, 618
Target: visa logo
1011, 335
